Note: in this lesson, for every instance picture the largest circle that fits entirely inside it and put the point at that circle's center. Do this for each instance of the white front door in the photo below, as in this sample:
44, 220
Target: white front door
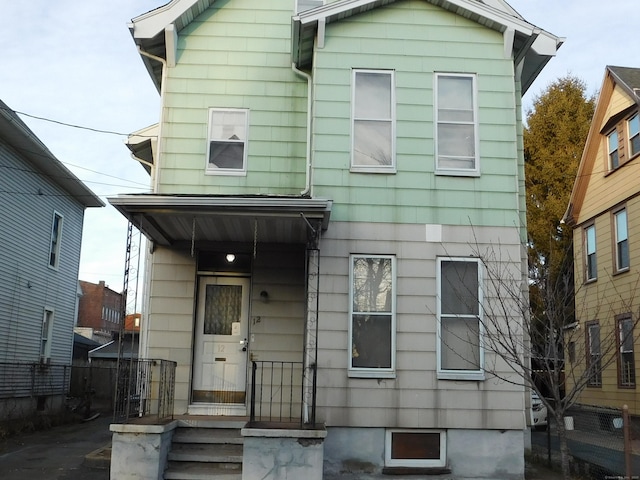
220, 361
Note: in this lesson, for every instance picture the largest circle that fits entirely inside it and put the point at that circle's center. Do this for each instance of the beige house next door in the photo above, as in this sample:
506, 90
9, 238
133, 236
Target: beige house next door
220, 356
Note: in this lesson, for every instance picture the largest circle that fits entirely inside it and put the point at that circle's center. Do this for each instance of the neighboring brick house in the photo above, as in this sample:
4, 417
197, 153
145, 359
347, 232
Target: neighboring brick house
99, 311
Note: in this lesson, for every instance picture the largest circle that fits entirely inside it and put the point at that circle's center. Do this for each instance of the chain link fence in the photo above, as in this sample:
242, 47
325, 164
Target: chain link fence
600, 448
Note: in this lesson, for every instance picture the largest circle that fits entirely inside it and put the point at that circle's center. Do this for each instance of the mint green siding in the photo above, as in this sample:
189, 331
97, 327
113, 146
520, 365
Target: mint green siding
236, 55
416, 39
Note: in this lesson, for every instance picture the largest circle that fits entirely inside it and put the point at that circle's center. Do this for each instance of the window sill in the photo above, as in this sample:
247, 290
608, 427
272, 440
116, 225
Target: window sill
228, 173
622, 270
457, 173
370, 374
383, 170
470, 376
590, 280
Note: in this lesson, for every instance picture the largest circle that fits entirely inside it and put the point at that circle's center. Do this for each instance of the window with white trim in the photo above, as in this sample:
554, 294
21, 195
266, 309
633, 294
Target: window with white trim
46, 335
591, 267
594, 363
621, 239
56, 239
456, 124
626, 362
373, 113
633, 129
460, 350
227, 141
415, 448
372, 315
612, 143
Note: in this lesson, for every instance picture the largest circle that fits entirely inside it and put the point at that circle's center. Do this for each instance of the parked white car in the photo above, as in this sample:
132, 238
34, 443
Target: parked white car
538, 413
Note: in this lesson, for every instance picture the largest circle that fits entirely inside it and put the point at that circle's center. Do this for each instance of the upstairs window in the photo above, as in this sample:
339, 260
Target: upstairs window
227, 154
622, 240
612, 141
633, 127
594, 364
373, 112
456, 124
460, 352
372, 326
56, 238
626, 362
591, 269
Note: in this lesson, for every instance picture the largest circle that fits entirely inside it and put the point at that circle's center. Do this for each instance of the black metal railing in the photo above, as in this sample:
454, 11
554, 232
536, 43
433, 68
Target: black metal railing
282, 392
144, 388
33, 379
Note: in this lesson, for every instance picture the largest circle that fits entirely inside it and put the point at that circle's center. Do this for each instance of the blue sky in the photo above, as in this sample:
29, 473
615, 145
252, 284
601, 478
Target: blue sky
74, 61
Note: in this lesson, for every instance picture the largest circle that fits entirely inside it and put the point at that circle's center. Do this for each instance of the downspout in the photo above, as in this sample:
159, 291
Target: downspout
156, 177
307, 188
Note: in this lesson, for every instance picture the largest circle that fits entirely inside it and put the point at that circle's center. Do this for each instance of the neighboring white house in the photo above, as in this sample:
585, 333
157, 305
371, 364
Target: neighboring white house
41, 215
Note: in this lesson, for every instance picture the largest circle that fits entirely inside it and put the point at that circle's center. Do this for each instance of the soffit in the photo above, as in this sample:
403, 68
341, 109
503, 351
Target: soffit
178, 219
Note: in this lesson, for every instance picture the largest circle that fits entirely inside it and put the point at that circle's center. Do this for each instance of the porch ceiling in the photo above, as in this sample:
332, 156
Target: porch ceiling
171, 219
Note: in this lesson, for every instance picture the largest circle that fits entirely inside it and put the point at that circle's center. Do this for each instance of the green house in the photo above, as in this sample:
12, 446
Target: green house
324, 176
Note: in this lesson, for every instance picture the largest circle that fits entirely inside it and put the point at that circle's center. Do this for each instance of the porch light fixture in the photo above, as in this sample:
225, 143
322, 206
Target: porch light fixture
230, 258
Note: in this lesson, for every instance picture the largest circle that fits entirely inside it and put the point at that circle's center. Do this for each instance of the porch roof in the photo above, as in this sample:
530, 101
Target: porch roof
172, 219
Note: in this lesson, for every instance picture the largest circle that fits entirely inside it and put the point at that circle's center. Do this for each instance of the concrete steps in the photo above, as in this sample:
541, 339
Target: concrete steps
206, 450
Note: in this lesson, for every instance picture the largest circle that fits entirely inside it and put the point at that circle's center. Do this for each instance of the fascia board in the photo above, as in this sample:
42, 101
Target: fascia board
149, 24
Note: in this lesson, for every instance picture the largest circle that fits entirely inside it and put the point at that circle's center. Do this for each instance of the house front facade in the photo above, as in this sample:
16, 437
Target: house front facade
41, 215
325, 180
605, 212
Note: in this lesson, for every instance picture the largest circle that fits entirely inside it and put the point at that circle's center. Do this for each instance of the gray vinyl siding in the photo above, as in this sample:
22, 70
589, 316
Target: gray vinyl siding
28, 285
415, 398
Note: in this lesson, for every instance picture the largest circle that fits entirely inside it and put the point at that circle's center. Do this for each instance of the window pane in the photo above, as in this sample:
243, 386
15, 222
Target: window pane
228, 125
456, 140
460, 345
626, 336
591, 240
373, 95
634, 134
621, 225
223, 306
455, 98
372, 143
613, 149
226, 155
459, 285
372, 285
371, 337
635, 145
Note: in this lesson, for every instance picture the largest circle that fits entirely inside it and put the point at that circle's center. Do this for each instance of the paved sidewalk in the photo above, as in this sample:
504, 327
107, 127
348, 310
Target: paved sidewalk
58, 453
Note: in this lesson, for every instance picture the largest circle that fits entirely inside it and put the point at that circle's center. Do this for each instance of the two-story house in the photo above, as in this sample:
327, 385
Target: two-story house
42, 208
604, 210
325, 177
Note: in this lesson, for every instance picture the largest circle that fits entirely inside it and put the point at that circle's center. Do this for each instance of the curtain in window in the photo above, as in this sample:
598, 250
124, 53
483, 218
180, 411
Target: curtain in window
223, 306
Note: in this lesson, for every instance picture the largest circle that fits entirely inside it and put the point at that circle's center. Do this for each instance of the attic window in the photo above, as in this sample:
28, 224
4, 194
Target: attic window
634, 135
612, 142
227, 152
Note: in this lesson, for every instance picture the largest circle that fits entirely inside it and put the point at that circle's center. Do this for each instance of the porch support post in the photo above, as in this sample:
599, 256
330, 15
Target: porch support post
311, 328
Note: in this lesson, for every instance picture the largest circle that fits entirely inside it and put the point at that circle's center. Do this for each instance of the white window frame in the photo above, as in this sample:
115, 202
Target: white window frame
635, 118
392, 121
594, 356
46, 335
442, 170
371, 372
625, 346
613, 135
448, 374
209, 170
56, 240
404, 462
620, 238
588, 275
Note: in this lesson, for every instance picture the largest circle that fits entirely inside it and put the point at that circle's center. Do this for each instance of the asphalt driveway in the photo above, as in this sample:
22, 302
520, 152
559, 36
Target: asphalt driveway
58, 453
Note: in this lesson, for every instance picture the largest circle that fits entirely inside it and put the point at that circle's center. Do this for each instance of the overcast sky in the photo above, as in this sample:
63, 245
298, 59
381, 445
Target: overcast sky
74, 61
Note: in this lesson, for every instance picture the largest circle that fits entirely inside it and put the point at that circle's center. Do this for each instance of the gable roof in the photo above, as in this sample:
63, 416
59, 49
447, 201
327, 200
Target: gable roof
14, 132
626, 78
155, 32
